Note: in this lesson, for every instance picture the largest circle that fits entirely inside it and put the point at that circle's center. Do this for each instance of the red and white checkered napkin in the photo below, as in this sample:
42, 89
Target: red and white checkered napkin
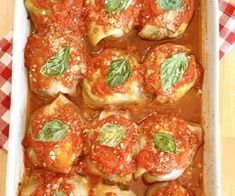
227, 38
5, 87
226, 27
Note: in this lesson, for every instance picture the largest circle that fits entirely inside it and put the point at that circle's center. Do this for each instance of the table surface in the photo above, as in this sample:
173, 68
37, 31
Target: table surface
227, 109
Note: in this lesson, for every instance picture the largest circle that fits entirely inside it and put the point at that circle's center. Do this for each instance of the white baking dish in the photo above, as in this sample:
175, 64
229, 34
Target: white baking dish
212, 183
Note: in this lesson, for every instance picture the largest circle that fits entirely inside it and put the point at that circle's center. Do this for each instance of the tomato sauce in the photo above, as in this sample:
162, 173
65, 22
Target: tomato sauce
124, 20
48, 153
171, 189
158, 162
101, 62
51, 41
153, 64
188, 108
151, 11
114, 160
59, 12
50, 182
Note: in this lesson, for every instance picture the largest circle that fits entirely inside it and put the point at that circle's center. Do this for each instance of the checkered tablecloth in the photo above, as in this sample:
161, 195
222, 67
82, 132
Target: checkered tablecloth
226, 27
227, 38
5, 88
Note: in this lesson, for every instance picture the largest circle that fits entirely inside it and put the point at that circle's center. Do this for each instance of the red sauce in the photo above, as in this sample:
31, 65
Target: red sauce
157, 162
114, 160
188, 108
124, 20
44, 45
153, 61
62, 13
171, 189
101, 63
57, 156
151, 13
50, 182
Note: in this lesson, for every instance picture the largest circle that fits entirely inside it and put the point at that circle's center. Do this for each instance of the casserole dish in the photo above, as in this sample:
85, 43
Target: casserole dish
210, 100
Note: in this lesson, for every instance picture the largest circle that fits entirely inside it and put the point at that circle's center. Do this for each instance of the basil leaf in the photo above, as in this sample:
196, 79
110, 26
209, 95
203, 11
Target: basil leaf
170, 4
60, 193
172, 70
118, 73
165, 142
116, 5
111, 134
52, 131
57, 64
